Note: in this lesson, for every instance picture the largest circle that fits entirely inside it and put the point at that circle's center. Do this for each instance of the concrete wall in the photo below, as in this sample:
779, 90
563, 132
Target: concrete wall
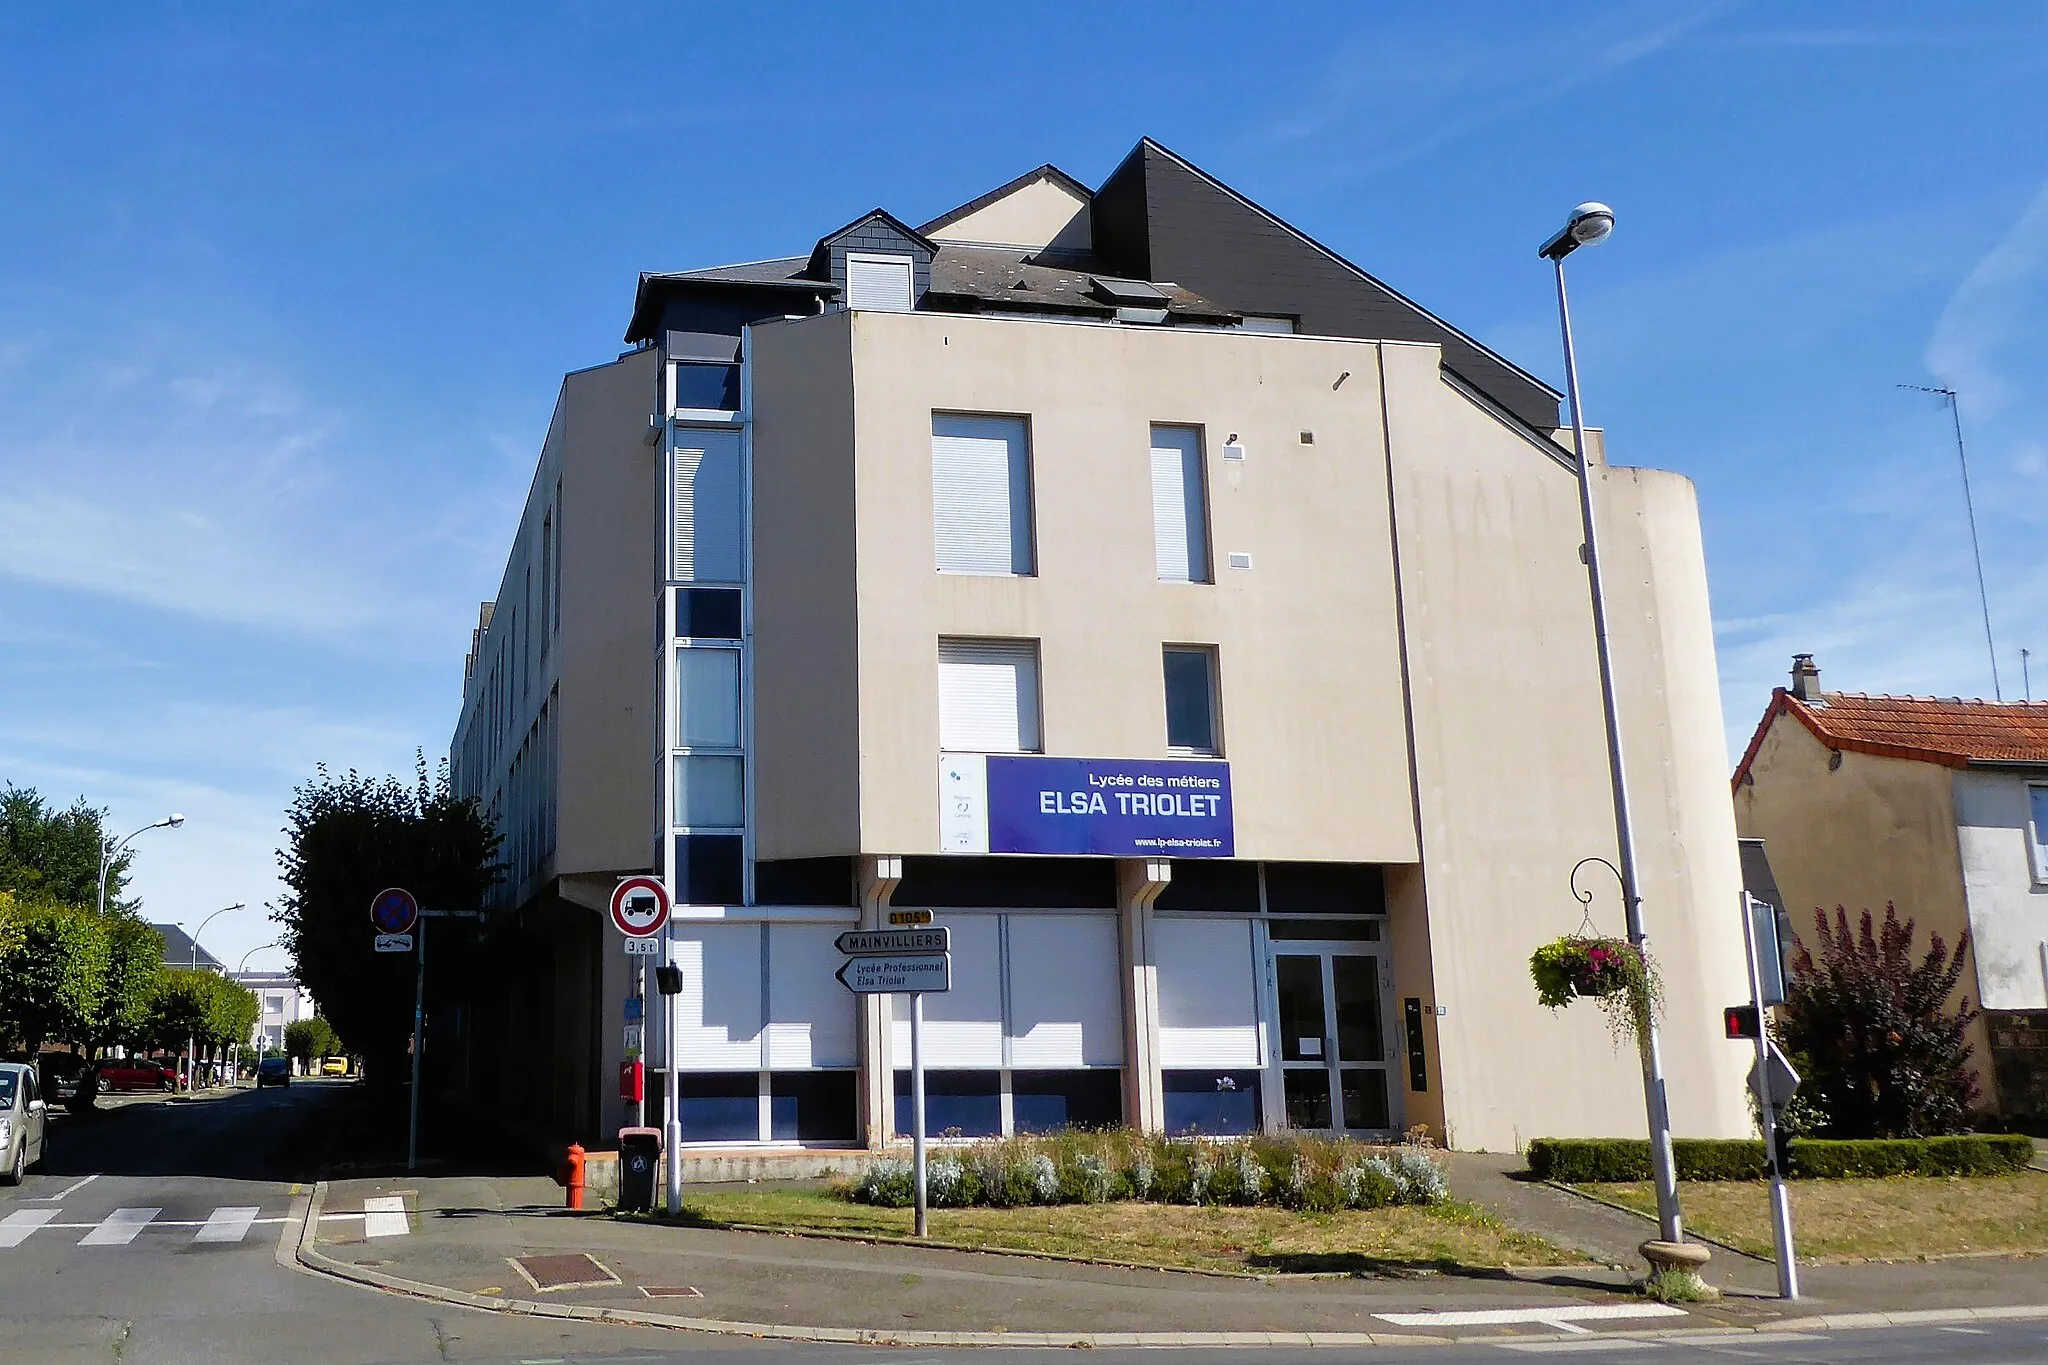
1310, 681
2008, 908
1868, 832
610, 521
1511, 773
1039, 214
807, 686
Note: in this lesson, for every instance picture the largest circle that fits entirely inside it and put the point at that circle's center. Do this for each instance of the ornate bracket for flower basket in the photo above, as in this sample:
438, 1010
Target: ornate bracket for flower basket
1585, 898
1585, 964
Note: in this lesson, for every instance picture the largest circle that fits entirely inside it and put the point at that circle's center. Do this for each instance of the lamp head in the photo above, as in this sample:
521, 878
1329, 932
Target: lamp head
1589, 224
176, 819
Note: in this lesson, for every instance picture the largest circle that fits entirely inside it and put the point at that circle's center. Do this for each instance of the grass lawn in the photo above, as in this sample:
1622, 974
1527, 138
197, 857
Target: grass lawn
1852, 1220
1241, 1240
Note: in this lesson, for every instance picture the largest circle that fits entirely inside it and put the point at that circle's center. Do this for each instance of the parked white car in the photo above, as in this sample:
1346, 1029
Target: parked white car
23, 1122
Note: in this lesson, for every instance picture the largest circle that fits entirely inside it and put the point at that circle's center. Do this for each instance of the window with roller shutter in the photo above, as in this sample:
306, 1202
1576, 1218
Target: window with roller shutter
881, 283
1180, 519
709, 534
981, 494
988, 696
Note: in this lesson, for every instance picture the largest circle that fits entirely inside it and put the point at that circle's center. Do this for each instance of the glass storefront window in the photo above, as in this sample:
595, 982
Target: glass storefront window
813, 1106
1216, 1103
1048, 1101
956, 1103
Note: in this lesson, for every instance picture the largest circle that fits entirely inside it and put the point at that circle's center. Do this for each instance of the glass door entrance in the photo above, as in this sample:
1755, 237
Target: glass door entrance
1333, 1039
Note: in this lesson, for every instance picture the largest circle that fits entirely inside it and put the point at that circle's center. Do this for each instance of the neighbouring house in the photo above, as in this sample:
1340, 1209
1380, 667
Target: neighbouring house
1939, 805
1191, 622
183, 953
280, 1000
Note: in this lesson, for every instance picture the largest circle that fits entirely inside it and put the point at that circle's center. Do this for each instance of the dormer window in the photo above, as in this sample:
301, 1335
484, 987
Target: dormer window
878, 282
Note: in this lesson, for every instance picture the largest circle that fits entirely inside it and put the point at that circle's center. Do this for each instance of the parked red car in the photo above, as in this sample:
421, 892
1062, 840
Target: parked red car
135, 1073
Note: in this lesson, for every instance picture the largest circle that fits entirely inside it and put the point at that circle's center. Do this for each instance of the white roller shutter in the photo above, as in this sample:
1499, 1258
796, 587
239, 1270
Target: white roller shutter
963, 1027
1180, 524
1066, 1007
709, 533
988, 696
810, 1015
981, 494
1208, 992
718, 1014
878, 282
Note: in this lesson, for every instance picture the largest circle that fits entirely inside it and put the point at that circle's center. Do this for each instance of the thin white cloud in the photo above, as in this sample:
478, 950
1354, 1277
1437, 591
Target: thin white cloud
1999, 308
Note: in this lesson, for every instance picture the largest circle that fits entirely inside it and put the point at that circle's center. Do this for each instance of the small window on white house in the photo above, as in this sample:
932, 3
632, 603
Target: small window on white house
2037, 831
981, 494
878, 282
988, 696
1191, 700
1180, 519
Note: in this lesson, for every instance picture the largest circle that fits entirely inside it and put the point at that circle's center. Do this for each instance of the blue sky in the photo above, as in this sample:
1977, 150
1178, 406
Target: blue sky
286, 292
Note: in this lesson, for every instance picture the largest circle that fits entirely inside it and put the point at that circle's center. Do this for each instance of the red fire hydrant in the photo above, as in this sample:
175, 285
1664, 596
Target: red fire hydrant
572, 1175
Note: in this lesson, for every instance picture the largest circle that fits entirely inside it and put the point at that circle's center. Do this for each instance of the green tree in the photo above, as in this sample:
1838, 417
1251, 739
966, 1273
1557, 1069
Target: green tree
1880, 1051
231, 1012
305, 1039
177, 1009
53, 982
134, 965
55, 854
349, 837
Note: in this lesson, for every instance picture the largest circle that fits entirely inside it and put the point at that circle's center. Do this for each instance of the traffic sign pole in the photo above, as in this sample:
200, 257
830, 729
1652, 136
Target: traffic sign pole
1781, 1204
672, 1100
921, 1224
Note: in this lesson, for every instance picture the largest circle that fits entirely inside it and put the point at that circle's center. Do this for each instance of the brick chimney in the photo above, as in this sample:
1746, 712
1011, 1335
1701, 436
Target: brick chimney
1806, 679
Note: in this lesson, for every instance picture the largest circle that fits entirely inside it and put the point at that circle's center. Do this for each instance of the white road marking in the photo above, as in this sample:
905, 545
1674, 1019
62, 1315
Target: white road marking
1968, 1331
384, 1216
15, 1227
118, 1228
227, 1224
1553, 1316
59, 1195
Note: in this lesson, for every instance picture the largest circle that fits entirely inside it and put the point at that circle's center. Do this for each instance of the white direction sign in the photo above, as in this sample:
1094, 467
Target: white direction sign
904, 974
394, 943
875, 942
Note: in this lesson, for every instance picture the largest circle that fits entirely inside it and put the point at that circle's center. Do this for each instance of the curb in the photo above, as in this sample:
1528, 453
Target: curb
309, 1257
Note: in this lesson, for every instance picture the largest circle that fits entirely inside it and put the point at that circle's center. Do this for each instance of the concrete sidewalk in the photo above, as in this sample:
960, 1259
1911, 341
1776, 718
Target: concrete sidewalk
469, 1240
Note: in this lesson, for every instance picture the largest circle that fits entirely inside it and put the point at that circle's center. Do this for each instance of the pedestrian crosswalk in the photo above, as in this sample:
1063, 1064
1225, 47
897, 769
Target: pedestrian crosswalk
381, 1216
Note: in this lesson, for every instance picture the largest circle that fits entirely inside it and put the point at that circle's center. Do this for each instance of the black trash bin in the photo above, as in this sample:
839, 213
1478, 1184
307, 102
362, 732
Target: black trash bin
639, 1159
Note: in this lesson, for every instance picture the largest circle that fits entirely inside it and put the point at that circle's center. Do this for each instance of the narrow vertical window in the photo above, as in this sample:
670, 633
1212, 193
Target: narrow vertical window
547, 580
1191, 700
988, 696
709, 538
981, 494
1180, 520
2037, 812
556, 622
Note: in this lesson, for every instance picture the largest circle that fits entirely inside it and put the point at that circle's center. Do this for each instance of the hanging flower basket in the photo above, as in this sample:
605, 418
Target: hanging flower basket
1612, 971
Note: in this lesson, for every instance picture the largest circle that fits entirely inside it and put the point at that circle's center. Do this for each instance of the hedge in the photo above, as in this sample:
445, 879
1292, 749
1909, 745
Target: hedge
1576, 1161
1313, 1175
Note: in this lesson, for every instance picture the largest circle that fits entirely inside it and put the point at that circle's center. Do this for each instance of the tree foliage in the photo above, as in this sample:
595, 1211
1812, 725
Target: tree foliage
305, 1039
1882, 1053
53, 983
52, 854
349, 837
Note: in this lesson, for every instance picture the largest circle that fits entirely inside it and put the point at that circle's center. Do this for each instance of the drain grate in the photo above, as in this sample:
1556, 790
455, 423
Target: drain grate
670, 1291
579, 1270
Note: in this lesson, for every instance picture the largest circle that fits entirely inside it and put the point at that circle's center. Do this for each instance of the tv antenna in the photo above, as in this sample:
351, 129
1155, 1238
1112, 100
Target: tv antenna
1955, 409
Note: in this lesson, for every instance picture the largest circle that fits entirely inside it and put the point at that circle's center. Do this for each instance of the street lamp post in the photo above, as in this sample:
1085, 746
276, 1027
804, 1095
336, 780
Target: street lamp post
108, 856
1590, 224
192, 1043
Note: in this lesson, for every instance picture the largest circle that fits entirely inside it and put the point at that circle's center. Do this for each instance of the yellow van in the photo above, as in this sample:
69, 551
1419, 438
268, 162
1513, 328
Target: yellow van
334, 1066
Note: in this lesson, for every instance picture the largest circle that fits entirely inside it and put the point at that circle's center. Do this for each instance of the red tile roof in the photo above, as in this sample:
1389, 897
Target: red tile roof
1945, 730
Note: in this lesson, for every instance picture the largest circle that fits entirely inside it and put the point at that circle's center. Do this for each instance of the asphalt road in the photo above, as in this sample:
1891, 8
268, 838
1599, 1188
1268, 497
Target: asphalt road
158, 1233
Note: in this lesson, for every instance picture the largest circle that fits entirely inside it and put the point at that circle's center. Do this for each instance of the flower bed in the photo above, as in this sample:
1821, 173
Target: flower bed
1317, 1175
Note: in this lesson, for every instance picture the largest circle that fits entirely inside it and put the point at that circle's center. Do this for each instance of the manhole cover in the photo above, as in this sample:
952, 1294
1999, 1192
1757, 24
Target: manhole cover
575, 1271
670, 1291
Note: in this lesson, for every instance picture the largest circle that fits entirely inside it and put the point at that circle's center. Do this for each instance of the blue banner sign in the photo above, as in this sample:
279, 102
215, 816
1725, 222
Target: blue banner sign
1109, 807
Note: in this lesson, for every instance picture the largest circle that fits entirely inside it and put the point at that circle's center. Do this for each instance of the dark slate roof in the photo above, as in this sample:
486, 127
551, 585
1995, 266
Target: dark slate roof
783, 270
180, 951
822, 251
975, 205
655, 287
977, 277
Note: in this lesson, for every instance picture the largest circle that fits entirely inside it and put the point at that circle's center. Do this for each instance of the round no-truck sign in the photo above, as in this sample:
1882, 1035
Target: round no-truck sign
640, 907
394, 911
